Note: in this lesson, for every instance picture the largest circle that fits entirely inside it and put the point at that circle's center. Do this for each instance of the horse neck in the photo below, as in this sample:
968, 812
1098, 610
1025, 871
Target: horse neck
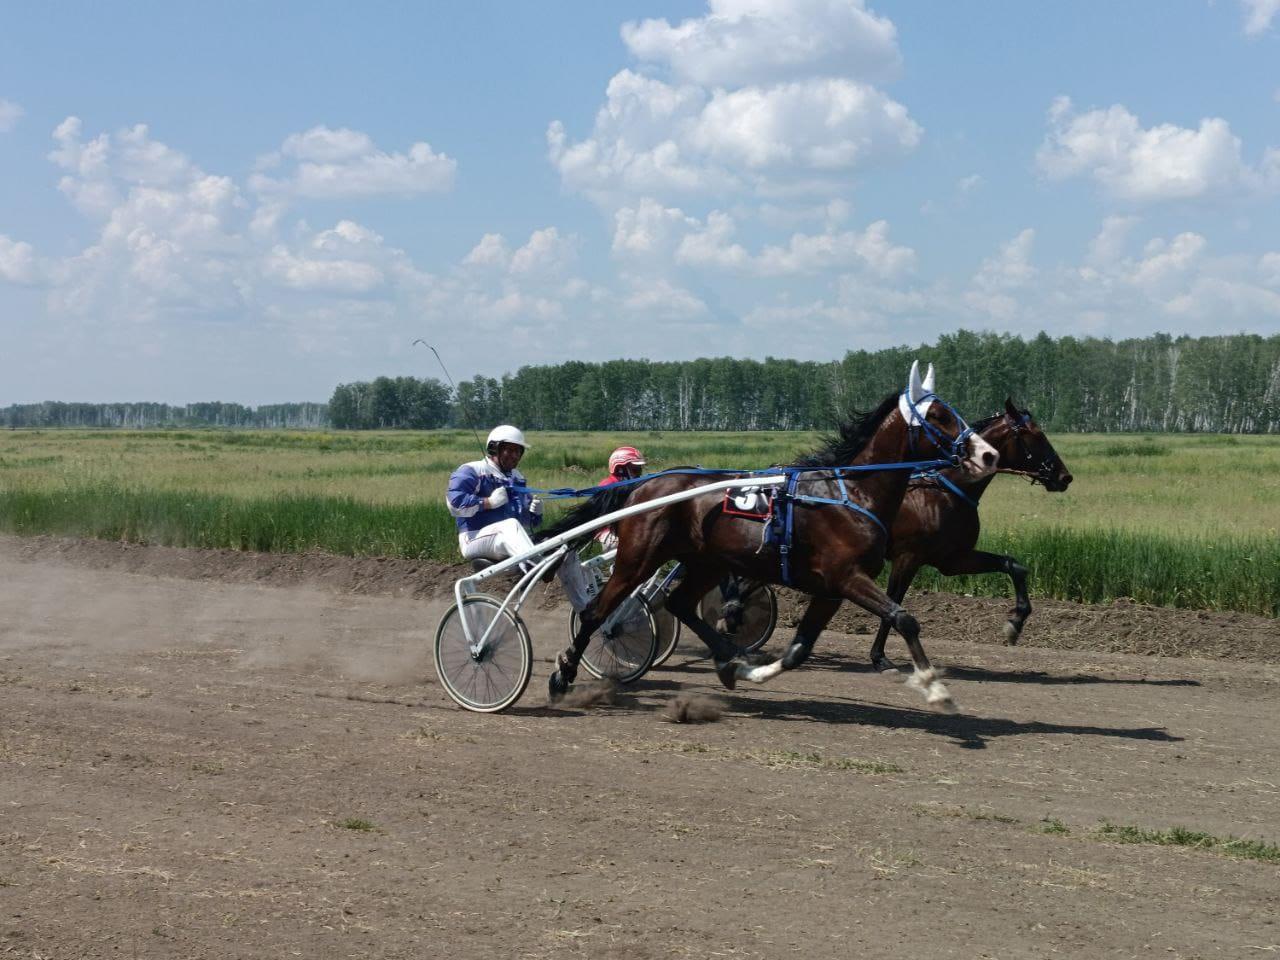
891, 443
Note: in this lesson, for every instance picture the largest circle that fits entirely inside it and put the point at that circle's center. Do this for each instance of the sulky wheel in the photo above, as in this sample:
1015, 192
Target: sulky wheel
494, 677
623, 648
743, 611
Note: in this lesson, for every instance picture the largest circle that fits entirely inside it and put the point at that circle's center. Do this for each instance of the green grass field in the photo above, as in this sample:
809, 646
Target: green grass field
1190, 521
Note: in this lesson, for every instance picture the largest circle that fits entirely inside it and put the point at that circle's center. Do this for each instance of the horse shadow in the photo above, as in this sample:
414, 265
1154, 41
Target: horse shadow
843, 663
967, 732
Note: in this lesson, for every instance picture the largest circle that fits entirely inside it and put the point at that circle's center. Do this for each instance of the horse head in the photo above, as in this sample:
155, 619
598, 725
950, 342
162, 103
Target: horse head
1025, 450
938, 429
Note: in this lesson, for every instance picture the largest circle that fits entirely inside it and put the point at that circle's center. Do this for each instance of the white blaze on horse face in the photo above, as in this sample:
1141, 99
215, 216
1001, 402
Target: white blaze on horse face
982, 459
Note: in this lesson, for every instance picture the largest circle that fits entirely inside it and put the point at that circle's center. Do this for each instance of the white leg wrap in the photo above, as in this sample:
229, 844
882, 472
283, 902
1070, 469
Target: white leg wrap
759, 674
934, 690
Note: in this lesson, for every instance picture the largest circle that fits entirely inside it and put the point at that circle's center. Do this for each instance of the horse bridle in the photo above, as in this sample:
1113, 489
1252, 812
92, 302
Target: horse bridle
1044, 470
940, 439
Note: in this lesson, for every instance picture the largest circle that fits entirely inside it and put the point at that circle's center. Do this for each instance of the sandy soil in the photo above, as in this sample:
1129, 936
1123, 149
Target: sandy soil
222, 755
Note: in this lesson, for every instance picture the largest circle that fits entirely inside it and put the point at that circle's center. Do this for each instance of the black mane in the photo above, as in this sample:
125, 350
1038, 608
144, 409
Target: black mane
853, 434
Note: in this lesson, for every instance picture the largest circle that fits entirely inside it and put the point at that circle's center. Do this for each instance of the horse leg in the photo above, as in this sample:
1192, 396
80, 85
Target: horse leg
900, 577
866, 593
624, 581
682, 602
978, 561
816, 617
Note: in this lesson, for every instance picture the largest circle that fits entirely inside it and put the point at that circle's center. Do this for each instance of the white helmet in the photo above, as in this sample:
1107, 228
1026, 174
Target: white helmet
504, 434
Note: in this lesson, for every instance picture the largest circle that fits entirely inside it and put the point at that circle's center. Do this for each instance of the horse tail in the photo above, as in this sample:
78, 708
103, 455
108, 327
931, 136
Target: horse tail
606, 501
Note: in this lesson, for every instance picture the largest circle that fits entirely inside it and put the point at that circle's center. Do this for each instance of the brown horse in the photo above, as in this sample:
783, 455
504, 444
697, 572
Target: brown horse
938, 523
838, 543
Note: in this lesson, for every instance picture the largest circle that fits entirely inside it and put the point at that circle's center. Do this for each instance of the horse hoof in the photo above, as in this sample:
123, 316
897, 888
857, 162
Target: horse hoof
728, 673
945, 705
885, 666
1011, 633
557, 687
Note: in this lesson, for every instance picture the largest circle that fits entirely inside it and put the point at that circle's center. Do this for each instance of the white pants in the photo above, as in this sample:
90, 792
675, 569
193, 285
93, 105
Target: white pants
508, 538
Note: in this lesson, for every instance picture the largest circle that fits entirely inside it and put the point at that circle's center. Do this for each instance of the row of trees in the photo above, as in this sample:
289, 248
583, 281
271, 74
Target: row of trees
400, 403
1214, 384
1221, 384
140, 416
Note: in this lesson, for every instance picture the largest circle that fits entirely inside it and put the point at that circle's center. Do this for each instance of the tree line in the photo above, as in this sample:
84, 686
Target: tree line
143, 416
1227, 384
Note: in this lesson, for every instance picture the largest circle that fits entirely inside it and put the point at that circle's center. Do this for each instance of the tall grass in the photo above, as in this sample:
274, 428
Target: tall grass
278, 524
1188, 521
1095, 566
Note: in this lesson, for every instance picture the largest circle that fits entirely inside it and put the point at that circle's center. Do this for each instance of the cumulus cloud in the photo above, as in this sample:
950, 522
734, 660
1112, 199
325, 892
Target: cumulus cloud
745, 42
330, 275
491, 251
168, 235
762, 97
17, 261
545, 253
324, 163
1258, 15
10, 114
1165, 162
648, 229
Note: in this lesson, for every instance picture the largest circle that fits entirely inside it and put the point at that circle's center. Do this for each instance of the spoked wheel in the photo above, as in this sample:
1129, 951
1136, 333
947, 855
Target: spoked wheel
624, 648
668, 631
746, 620
493, 679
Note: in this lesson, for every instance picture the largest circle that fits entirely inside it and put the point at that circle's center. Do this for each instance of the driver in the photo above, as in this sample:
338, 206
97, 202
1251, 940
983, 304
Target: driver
625, 463
493, 521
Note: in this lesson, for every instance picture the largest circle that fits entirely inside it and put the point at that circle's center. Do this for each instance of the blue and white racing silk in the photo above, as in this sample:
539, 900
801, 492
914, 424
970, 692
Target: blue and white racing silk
473, 482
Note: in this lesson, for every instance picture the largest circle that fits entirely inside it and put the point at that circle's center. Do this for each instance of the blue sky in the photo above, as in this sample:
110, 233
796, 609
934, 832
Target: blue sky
255, 202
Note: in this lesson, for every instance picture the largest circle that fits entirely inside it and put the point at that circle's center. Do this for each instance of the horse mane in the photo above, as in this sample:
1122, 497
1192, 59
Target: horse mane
852, 435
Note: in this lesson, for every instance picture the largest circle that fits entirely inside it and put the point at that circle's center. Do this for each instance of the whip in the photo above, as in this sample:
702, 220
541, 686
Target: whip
465, 415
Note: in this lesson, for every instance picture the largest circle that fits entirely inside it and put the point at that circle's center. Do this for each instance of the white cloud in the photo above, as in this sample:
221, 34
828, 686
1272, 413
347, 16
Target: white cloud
660, 299
765, 97
10, 114
168, 238
741, 42
545, 253
651, 233
711, 246
321, 275
1108, 246
1269, 269
648, 229
17, 261
491, 251
323, 163
1166, 264
1165, 162
1258, 15
818, 124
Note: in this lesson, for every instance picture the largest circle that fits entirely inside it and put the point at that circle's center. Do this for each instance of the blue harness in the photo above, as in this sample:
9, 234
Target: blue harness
781, 524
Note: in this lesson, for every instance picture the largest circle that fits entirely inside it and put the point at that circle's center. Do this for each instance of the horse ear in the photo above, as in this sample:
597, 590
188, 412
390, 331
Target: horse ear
915, 390
929, 381
1010, 409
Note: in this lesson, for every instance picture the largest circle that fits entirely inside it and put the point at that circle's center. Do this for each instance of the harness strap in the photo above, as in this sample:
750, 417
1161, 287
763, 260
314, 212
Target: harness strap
564, 493
935, 477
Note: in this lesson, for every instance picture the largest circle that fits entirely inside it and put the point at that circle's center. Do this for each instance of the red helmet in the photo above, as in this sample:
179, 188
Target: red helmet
624, 456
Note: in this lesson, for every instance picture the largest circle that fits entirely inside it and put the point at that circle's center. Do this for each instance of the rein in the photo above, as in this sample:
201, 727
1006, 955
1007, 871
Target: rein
788, 496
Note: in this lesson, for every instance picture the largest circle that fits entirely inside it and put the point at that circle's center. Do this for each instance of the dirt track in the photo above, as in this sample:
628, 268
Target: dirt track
183, 737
